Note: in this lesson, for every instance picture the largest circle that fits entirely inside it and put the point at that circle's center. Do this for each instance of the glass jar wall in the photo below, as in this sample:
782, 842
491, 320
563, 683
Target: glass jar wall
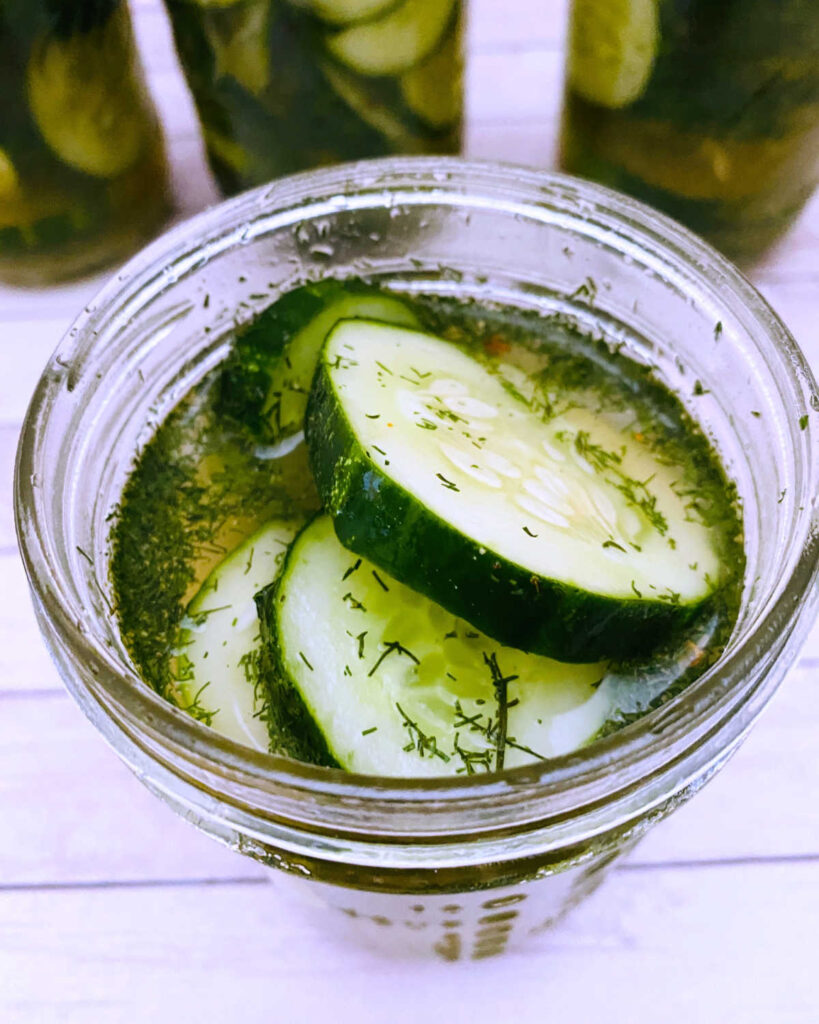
708, 111
82, 167
285, 85
457, 867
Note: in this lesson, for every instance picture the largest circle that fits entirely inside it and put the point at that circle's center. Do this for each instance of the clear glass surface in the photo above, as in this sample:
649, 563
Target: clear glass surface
528, 843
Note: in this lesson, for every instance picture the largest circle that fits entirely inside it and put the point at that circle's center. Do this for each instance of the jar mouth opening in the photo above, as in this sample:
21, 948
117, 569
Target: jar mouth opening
668, 735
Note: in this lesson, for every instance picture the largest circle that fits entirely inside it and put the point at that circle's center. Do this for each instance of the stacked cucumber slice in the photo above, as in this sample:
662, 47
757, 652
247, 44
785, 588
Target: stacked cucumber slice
481, 566
216, 652
289, 85
398, 686
541, 534
267, 379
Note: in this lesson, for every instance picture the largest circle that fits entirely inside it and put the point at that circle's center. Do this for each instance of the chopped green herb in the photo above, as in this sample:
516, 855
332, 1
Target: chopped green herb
447, 483
354, 603
379, 581
418, 741
392, 647
351, 570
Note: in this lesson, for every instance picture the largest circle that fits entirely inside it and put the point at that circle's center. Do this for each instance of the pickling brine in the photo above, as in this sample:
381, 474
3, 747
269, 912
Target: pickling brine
405, 536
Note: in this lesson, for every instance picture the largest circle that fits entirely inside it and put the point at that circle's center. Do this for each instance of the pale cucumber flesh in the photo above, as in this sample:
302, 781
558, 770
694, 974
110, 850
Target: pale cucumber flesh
399, 687
551, 496
290, 381
345, 12
396, 42
219, 637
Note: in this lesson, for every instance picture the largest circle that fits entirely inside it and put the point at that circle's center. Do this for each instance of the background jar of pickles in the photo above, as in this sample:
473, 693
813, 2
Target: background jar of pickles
82, 167
709, 111
285, 85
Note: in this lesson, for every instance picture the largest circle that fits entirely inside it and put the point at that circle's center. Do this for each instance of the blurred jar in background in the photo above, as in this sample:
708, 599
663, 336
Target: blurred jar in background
707, 109
82, 167
284, 85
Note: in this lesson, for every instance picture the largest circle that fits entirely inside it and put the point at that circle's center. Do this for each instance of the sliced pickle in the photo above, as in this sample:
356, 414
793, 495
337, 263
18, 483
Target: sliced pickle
396, 42
376, 114
613, 45
241, 46
700, 167
86, 98
347, 12
432, 89
9, 180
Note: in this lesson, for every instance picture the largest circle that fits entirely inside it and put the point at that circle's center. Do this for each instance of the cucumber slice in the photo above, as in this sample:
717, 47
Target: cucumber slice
241, 48
9, 179
266, 381
346, 12
371, 110
396, 42
219, 639
612, 48
87, 100
564, 537
399, 687
432, 90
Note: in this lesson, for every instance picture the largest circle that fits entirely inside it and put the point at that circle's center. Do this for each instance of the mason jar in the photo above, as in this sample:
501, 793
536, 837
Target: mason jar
285, 85
459, 867
83, 178
708, 111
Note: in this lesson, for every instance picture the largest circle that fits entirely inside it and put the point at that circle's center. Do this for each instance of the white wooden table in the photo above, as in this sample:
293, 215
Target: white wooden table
113, 910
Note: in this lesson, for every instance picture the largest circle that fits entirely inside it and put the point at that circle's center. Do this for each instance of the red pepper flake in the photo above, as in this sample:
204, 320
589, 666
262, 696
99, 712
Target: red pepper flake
496, 346
695, 652
389, 424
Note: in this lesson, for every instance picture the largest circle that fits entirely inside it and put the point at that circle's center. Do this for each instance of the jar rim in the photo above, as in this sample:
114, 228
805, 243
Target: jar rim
662, 750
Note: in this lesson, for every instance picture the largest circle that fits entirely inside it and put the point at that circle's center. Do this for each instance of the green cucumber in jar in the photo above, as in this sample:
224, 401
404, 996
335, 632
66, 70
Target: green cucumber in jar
373, 109
397, 686
396, 42
216, 653
560, 536
432, 90
222, 671
348, 12
266, 380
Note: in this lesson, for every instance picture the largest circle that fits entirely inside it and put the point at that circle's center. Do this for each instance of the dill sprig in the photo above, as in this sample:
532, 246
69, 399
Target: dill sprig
487, 726
392, 647
195, 707
419, 741
636, 492
500, 684
472, 759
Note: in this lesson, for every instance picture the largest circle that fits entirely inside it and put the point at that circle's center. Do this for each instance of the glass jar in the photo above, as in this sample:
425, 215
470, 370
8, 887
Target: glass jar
285, 85
82, 166
708, 111
458, 867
